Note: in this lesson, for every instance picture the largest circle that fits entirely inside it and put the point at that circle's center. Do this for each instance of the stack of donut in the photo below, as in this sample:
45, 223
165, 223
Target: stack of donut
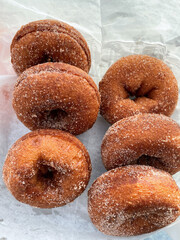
141, 149
55, 97
54, 89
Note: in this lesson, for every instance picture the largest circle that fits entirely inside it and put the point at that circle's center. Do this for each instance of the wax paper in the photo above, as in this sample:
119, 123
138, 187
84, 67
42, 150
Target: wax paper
112, 29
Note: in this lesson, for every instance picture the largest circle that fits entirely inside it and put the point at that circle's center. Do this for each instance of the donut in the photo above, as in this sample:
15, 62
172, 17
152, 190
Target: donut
137, 84
147, 139
49, 41
56, 95
133, 200
47, 168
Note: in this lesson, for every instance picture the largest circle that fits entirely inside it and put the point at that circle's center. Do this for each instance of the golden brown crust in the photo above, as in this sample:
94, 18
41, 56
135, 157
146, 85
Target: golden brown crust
148, 139
133, 200
47, 168
56, 95
49, 40
150, 83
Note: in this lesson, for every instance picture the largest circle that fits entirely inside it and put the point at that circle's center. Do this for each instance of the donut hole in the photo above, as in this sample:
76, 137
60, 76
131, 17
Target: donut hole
138, 94
132, 97
55, 115
46, 58
150, 161
46, 173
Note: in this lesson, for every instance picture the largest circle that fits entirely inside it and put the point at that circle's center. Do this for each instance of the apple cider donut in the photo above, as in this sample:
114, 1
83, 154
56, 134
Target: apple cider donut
49, 41
56, 95
47, 168
147, 139
133, 200
137, 84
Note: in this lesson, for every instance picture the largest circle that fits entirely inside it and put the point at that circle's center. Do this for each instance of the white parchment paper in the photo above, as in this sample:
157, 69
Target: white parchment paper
112, 29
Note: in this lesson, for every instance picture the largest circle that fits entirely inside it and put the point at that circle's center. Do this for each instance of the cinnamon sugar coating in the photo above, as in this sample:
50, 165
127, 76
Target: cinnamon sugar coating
47, 168
137, 84
133, 200
56, 95
49, 41
148, 139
